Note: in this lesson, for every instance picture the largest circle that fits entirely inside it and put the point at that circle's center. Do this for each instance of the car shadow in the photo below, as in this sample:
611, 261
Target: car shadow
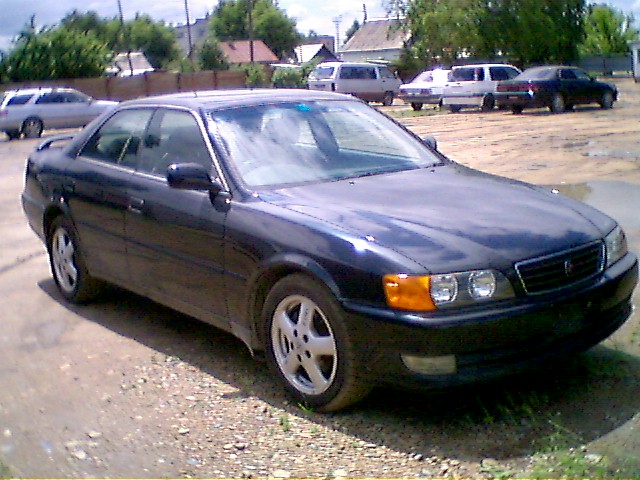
571, 402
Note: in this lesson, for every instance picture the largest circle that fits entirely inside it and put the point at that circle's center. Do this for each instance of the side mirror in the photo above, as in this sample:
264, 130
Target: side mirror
189, 176
193, 176
430, 141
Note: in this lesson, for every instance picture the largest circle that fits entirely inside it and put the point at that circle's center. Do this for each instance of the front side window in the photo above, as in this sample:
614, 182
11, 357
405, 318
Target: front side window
50, 98
118, 139
173, 137
467, 74
321, 73
386, 73
290, 143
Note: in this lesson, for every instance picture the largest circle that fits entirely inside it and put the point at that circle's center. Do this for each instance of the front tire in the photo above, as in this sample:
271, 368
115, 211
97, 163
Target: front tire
67, 264
387, 101
417, 106
517, 109
606, 102
488, 103
309, 346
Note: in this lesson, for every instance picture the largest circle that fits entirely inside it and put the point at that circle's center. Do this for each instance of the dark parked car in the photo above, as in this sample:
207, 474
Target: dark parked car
325, 235
556, 87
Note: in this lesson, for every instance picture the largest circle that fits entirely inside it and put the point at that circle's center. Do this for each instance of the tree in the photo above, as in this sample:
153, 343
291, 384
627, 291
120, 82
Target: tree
608, 31
154, 39
55, 53
211, 57
443, 30
355, 26
532, 31
230, 21
526, 31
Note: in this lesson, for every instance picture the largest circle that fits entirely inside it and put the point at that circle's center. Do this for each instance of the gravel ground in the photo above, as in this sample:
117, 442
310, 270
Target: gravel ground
126, 388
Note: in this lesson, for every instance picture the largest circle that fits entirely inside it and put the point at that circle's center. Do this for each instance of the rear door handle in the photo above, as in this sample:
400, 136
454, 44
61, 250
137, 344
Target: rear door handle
136, 205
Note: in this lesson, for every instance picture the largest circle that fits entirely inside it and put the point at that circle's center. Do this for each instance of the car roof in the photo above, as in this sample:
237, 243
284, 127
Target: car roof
214, 99
476, 65
35, 90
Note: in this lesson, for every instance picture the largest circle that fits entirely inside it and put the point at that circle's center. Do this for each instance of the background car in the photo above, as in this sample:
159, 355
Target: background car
427, 88
557, 87
368, 81
328, 237
475, 85
29, 111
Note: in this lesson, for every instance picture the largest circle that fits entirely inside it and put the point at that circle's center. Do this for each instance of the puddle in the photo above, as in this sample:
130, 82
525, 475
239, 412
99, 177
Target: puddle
620, 200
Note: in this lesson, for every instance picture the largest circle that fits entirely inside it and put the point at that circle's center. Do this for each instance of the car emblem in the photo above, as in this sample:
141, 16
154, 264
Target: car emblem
568, 268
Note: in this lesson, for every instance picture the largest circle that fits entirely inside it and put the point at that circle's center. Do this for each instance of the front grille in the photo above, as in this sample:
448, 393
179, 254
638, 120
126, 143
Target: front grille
560, 270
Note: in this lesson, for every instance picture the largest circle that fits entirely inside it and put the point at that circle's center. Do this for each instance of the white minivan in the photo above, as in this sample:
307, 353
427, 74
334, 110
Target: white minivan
367, 81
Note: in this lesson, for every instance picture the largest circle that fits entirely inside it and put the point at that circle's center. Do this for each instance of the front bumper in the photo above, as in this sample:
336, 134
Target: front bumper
498, 341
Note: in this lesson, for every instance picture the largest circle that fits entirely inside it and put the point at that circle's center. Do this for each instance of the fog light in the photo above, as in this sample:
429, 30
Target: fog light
444, 365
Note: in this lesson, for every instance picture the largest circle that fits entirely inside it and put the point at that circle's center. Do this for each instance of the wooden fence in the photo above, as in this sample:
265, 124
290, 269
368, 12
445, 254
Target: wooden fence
145, 85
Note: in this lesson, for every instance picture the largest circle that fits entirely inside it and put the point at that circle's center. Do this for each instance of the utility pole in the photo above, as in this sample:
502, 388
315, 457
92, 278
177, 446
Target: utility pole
123, 35
336, 21
190, 49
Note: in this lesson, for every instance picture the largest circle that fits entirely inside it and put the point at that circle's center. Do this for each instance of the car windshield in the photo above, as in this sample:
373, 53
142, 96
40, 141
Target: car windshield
290, 143
321, 73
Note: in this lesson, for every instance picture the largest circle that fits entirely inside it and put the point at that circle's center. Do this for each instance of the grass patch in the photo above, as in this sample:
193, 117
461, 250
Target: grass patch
410, 113
4, 471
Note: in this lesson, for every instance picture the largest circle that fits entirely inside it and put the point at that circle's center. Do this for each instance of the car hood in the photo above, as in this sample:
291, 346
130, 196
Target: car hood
449, 217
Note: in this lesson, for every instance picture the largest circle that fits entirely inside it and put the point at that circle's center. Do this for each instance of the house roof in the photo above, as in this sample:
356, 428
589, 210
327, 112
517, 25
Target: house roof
139, 64
238, 51
375, 35
306, 53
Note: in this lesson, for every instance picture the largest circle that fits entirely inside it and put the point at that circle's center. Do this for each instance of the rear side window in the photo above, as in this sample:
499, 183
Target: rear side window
357, 73
19, 99
117, 141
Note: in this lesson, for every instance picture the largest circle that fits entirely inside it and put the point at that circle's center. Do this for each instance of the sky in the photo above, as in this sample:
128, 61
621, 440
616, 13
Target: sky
317, 15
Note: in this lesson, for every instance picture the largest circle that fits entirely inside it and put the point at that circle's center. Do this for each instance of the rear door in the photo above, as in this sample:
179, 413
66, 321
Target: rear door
98, 195
175, 237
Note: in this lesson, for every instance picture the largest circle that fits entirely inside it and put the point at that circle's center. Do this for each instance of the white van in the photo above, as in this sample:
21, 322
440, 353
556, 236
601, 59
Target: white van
368, 81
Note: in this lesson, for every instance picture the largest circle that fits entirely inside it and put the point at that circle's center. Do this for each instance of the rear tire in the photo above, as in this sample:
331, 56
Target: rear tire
416, 106
13, 134
557, 103
454, 108
517, 109
67, 263
32, 128
309, 346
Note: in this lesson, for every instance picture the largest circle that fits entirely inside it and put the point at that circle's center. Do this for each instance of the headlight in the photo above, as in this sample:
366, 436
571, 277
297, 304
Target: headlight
616, 245
432, 292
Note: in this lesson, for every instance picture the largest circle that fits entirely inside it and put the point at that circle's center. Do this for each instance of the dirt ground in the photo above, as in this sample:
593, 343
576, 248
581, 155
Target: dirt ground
126, 388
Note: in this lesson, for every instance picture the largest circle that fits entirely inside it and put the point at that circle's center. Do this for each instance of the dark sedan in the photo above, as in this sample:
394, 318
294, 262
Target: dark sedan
328, 237
559, 88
